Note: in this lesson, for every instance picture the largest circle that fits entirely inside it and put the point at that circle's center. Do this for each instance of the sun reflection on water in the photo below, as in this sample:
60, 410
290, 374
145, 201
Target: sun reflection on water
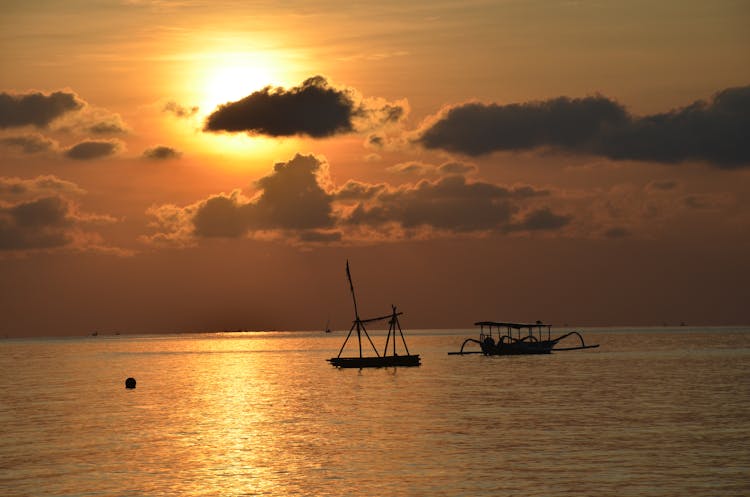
264, 414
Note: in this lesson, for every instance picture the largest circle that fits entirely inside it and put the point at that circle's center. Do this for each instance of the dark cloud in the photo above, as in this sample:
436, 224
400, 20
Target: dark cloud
161, 152
179, 110
292, 196
30, 144
665, 185
456, 168
416, 168
290, 199
541, 220
617, 232
223, 216
412, 168
35, 108
355, 190
36, 186
717, 131
314, 236
451, 204
315, 108
297, 201
477, 129
50, 222
92, 149
113, 126
707, 201
37, 224
375, 141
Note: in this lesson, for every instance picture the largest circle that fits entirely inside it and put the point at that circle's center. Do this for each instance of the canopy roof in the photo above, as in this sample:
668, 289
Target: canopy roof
516, 326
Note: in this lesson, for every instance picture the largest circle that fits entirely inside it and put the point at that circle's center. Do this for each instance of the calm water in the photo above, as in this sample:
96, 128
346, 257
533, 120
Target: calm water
652, 412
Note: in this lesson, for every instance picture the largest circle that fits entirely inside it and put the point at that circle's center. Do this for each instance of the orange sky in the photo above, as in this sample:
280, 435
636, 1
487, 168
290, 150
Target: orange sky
576, 162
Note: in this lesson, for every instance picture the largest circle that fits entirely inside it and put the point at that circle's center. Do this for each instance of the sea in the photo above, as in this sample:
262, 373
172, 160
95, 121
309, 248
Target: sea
651, 412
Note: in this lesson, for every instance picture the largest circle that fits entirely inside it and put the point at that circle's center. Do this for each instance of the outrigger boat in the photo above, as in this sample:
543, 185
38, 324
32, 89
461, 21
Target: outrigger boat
378, 361
519, 339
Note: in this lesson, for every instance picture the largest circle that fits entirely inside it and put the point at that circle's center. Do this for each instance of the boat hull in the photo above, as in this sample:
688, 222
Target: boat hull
375, 362
518, 348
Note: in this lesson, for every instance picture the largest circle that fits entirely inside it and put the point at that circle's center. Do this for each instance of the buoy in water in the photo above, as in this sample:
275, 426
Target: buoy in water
130, 383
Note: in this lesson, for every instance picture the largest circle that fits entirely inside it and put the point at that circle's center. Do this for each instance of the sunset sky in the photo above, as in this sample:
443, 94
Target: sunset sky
186, 165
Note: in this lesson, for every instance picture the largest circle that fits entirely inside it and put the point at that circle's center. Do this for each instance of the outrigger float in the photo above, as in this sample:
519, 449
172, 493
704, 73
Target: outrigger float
378, 361
519, 339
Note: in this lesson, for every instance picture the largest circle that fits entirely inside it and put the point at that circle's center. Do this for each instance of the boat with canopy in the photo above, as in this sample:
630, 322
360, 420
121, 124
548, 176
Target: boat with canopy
519, 339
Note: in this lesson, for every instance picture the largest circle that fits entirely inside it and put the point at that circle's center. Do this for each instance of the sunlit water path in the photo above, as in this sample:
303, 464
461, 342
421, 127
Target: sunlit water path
652, 412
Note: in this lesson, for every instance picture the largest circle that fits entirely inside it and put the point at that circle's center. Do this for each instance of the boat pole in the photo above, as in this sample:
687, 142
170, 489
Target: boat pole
395, 319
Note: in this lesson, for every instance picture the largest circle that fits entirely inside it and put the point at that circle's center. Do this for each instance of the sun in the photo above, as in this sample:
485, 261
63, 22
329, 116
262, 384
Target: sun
215, 77
221, 77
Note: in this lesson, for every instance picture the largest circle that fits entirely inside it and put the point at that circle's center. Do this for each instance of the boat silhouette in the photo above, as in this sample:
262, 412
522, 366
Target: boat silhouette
519, 339
377, 361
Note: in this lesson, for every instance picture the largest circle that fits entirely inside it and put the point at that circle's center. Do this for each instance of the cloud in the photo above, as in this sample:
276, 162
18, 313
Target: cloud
41, 223
448, 204
317, 236
393, 140
717, 131
292, 198
616, 232
662, 186
92, 120
179, 110
111, 125
417, 168
298, 202
93, 149
49, 222
36, 108
375, 140
161, 152
355, 190
540, 220
707, 201
477, 129
36, 186
315, 108
30, 143
409, 168
454, 167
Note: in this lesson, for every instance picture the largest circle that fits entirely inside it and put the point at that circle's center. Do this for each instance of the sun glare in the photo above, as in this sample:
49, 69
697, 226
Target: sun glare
218, 77
228, 77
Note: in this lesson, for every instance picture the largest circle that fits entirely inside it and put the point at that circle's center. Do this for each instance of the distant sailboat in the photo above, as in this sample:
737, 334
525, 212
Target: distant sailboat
378, 361
328, 325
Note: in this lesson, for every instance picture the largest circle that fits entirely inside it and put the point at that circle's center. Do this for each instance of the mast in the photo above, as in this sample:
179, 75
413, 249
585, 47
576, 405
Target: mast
356, 312
358, 323
351, 287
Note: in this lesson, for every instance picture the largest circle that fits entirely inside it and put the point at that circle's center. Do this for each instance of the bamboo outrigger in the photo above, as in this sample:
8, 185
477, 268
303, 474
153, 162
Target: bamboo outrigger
523, 342
378, 361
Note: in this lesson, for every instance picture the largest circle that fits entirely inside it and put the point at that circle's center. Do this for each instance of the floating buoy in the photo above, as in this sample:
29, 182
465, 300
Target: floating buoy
130, 383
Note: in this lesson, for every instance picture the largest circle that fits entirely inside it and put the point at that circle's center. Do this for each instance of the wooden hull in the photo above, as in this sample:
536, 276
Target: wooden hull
518, 348
375, 362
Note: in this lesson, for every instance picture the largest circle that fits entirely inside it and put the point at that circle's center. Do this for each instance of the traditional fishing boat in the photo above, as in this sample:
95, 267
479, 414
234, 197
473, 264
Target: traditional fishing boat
519, 339
377, 361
